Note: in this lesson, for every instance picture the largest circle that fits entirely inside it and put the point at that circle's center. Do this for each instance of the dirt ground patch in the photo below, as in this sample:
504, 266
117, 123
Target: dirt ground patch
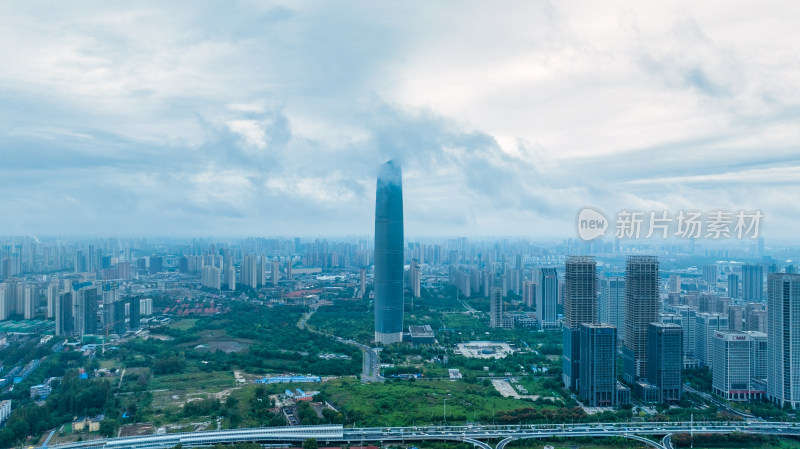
133, 430
227, 345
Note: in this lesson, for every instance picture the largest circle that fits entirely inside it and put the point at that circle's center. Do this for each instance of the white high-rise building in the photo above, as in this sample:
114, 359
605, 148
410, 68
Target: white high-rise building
146, 306
276, 271
4, 301
414, 278
210, 277
230, 272
52, 297
29, 301
249, 272
5, 410
733, 366
262, 271
783, 336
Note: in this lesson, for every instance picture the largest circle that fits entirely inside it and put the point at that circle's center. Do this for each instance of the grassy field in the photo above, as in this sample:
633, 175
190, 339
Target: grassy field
408, 403
194, 380
184, 324
535, 387
108, 364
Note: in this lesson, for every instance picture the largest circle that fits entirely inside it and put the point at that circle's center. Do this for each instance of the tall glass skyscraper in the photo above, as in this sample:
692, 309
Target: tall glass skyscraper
389, 255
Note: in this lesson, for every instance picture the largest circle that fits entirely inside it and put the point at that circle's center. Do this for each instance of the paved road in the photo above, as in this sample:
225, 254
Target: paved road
477, 435
719, 403
371, 360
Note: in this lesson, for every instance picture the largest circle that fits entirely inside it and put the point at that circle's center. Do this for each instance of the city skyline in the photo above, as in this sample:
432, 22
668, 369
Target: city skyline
272, 119
409, 225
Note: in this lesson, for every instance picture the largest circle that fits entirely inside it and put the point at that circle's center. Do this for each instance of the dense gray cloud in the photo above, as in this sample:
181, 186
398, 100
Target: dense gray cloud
272, 119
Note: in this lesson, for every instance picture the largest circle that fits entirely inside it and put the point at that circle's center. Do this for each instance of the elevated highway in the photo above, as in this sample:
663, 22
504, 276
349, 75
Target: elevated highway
479, 436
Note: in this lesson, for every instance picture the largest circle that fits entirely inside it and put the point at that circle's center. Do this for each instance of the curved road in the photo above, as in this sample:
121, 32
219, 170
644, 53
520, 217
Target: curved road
371, 360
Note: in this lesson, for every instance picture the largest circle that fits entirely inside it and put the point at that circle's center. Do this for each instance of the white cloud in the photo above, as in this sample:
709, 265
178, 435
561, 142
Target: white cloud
253, 118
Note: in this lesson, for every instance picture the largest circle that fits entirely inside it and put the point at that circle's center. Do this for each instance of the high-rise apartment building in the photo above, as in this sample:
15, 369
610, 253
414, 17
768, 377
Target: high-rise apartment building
276, 271
547, 298
496, 308
733, 286
710, 273
529, 293
736, 318
210, 277
5, 304
752, 283
641, 309
362, 282
52, 298
414, 278
229, 272
249, 271
674, 283
580, 306
755, 317
29, 302
388, 279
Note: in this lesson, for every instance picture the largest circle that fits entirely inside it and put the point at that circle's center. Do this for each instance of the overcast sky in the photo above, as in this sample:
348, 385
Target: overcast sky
255, 118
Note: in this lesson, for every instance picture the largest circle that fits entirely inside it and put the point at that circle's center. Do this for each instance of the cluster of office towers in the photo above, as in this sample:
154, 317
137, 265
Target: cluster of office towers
651, 351
749, 348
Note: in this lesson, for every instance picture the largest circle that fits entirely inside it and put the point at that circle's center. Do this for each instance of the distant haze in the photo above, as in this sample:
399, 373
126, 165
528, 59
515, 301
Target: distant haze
240, 118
